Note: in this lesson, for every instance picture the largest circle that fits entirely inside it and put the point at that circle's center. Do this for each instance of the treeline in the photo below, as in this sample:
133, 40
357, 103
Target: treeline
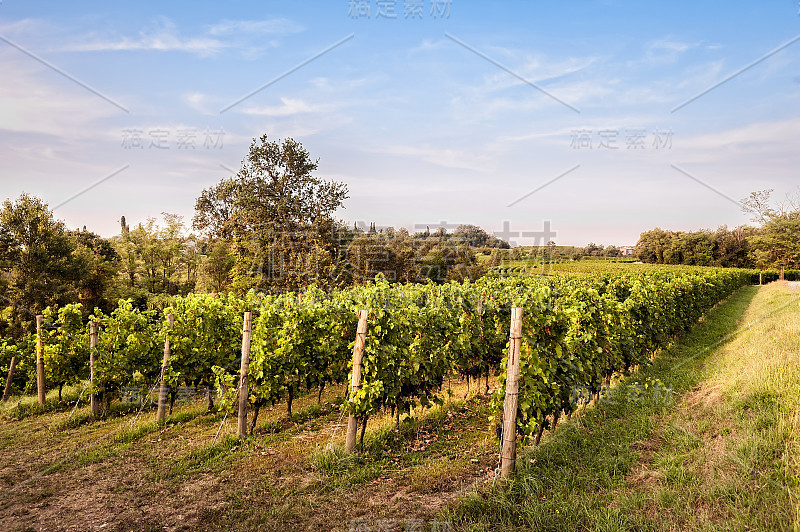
271, 227
773, 244
45, 264
723, 247
42, 263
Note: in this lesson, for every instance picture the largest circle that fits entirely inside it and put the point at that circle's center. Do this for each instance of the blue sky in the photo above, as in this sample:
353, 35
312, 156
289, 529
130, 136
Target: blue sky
456, 112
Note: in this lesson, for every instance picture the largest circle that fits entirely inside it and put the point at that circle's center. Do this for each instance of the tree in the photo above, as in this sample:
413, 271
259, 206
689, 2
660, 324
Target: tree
733, 247
156, 259
36, 259
278, 217
478, 237
214, 209
218, 266
652, 245
593, 249
777, 241
757, 204
98, 265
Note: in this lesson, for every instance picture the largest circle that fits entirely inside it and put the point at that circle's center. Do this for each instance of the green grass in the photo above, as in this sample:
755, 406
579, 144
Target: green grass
21, 406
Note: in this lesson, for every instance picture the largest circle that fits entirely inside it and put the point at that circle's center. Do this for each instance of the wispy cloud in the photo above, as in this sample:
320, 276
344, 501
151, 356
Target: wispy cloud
288, 107
665, 50
34, 104
162, 36
464, 159
768, 147
536, 67
276, 26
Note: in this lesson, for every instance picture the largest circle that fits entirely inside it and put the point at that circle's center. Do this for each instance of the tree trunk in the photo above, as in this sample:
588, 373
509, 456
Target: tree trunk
60, 389
363, 429
210, 398
396, 413
486, 392
7, 391
466, 394
255, 415
539, 434
555, 421
319, 395
172, 396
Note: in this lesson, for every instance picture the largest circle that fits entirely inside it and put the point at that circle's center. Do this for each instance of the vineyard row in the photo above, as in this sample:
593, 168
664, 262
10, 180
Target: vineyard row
575, 333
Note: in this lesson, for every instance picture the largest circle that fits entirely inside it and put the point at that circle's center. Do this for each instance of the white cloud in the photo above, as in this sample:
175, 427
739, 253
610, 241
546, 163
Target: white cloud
701, 76
204, 103
428, 45
277, 26
762, 143
665, 50
469, 159
32, 105
289, 107
534, 69
26, 26
163, 36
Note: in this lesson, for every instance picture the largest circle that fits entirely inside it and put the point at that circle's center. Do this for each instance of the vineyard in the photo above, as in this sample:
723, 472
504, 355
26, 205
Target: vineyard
577, 332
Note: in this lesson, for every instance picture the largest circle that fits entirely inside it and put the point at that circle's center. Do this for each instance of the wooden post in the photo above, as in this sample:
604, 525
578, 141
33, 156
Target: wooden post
508, 455
39, 359
355, 382
93, 337
164, 389
759, 279
781, 278
244, 390
7, 391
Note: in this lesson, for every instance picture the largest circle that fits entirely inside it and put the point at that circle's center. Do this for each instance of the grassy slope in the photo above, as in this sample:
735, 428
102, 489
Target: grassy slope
711, 443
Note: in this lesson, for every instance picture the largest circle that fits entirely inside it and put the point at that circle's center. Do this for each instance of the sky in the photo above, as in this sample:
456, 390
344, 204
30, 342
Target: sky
577, 121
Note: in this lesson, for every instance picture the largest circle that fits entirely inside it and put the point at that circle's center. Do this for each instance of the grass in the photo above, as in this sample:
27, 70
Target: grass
704, 439
21, 406
126, 471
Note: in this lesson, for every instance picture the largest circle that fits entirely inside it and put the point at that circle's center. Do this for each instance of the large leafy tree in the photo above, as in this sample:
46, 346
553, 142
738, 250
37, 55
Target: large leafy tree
652, 245
217, 266
279, 217
99, 263
36, 260
777, 241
